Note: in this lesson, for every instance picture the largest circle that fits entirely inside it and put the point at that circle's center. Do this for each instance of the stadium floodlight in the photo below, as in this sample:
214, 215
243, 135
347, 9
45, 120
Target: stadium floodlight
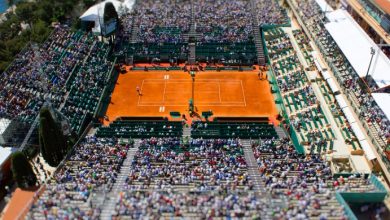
369, 65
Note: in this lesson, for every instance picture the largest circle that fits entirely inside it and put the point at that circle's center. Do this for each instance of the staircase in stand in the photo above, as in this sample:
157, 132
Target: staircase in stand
187, 131
253, 169
258, 37
191, 54
280, 132
191, 39
259, 184
108, 207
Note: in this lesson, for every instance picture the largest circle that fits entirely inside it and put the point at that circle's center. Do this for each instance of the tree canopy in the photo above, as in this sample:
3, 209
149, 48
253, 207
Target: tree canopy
52, 141
23, 173
38, 15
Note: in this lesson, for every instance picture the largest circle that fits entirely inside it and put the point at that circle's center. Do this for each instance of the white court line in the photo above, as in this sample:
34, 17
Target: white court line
199, 105
160, 103
139, 97
196, 80
219, 91
190, 93
243, 93
165, 88
220, 103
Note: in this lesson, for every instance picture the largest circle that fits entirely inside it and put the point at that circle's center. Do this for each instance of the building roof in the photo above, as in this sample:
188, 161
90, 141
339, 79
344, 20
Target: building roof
4, 123
383, 101
96, 11
5, 152
356, 46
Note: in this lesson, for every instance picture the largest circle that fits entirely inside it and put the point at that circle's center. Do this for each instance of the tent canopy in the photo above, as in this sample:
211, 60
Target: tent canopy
324, 6
97, 11
5, 152
383, 101
367, 150
356, 46
340, 99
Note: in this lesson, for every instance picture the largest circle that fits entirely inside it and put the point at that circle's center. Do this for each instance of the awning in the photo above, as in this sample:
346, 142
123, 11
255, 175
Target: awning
332, 84
383, 101
5, 152
358, 132
348, 114
367, 150
97, 11
356, 46
341, 101
324, 6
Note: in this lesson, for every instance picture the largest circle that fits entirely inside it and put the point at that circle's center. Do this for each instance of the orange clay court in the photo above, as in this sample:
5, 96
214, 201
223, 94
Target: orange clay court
227, 94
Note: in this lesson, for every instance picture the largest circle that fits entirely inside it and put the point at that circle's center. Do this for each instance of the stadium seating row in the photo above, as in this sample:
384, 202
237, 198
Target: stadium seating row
301, 103
352, 85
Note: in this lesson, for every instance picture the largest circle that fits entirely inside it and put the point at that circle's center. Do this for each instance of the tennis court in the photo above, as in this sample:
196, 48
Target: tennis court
228, 93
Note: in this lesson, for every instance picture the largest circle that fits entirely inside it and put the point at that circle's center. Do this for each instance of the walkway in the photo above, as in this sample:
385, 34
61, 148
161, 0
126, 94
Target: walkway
108, 207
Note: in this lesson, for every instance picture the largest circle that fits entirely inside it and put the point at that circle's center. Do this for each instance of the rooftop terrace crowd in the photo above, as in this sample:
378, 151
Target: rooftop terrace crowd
368, 109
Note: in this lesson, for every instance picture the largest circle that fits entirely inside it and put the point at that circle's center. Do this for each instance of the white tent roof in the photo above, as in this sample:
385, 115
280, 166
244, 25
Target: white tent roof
5, 152
332, 84
129, 4
4, 123
95, 12
358, 132
356, 46
342, 103
367, 150
383, 101
348, 114
326, 75
324, 6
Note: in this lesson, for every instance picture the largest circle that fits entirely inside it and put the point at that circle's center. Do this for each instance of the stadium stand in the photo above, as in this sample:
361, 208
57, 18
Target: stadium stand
276, 167
366, 106
92, 167
48, 67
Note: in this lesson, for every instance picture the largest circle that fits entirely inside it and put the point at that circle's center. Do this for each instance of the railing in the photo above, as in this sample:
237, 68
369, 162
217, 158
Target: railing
348, 211
112, 78
377, 183
279, 98
337, 75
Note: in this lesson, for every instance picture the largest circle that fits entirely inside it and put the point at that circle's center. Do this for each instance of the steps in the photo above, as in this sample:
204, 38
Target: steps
253, 169
186, 131
108, 206
191, 54
258, 37
134, 33
259, 184
191, 37
280, 132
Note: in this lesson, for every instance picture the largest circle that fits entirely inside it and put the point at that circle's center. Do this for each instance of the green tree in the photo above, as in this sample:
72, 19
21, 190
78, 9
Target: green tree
23, 173
52, 141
